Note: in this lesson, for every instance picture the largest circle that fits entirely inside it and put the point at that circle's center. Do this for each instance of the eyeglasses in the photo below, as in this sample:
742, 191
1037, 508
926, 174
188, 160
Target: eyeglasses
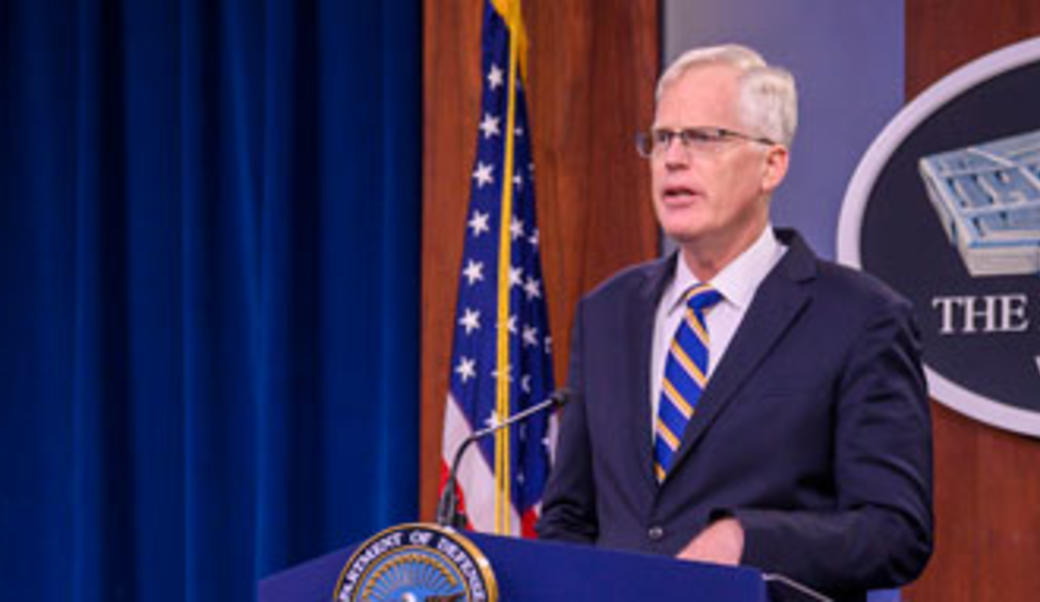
704, 139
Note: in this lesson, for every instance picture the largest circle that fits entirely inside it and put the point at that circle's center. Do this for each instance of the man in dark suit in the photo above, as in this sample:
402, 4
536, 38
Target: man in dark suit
742, 401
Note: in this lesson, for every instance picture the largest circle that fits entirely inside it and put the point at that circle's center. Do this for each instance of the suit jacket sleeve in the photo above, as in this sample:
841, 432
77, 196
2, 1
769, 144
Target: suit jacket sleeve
569, 507
881, 528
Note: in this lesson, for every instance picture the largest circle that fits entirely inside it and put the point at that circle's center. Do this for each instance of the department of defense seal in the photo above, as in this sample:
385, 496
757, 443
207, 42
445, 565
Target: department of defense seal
417, 562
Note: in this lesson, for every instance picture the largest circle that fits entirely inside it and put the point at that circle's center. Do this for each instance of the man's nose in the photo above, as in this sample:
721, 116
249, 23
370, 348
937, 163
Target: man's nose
675, 154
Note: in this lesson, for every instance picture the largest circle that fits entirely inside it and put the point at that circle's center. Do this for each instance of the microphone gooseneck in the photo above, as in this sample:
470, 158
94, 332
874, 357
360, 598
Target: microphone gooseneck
448, 512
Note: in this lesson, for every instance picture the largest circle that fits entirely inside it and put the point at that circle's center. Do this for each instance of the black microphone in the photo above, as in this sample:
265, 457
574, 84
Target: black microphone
448, 512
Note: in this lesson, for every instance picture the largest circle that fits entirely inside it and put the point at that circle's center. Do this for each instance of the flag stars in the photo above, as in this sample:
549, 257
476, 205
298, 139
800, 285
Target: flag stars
511, 324
494, 76
479, 223
489, 126
516, 276
516, 227
473, 359
466, 369
530, 336
473, 272
483, 174
470, 320
532, 288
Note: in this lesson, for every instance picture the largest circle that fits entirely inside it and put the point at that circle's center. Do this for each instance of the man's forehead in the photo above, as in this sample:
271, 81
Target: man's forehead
710, 87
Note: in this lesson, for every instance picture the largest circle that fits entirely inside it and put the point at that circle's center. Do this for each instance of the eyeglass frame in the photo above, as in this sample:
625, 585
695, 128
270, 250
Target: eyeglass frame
690, 136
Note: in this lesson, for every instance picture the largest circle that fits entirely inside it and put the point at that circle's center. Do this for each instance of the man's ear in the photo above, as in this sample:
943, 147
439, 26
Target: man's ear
775, 168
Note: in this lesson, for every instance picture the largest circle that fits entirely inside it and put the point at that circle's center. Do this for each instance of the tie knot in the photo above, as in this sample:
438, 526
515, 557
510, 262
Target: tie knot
702, 296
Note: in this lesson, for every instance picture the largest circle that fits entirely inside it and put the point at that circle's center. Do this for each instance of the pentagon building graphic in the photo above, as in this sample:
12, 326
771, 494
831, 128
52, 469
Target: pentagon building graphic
987, 197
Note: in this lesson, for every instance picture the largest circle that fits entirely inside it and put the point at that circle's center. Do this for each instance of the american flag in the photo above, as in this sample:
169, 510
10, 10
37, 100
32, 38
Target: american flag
500, 360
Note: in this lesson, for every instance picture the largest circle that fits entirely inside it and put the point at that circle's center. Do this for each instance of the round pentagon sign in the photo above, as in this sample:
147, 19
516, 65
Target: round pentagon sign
945, 207
417, 562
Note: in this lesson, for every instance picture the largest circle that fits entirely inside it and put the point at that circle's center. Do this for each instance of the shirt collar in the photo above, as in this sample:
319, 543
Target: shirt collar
738, 281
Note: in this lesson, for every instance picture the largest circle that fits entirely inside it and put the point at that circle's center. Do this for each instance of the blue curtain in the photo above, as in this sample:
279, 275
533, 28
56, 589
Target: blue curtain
209, 273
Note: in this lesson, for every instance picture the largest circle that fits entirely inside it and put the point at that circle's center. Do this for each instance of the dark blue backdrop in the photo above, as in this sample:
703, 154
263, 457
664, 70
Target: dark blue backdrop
209, 273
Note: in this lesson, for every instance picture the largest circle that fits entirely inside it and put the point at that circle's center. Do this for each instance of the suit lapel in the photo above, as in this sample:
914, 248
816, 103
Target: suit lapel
779, 300
641, 320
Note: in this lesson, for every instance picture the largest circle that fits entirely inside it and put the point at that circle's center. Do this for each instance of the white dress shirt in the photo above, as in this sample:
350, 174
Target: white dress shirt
737, 283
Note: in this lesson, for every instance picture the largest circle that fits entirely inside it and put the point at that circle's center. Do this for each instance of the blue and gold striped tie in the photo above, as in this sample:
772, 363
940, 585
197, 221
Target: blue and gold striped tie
685, 376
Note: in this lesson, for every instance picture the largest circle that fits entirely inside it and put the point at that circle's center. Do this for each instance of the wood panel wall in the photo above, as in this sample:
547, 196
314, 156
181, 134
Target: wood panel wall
592, 67
987, 481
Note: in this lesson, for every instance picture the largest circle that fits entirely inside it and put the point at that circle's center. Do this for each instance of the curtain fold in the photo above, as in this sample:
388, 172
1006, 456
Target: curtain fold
209, 262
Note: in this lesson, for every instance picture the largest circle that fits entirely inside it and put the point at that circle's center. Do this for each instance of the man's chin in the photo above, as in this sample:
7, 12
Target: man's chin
682, 223
683, 235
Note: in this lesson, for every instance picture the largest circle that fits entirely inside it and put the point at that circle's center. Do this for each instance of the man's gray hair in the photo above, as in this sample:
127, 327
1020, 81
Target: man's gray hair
768, 102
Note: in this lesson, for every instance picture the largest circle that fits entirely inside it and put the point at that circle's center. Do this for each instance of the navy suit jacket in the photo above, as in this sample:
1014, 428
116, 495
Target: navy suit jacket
813, 431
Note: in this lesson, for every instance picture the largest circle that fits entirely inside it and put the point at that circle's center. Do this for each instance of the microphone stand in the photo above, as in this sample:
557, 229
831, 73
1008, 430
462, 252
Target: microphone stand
448, 512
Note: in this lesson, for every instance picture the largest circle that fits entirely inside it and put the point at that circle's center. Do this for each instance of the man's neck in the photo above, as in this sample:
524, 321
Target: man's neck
705, 259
